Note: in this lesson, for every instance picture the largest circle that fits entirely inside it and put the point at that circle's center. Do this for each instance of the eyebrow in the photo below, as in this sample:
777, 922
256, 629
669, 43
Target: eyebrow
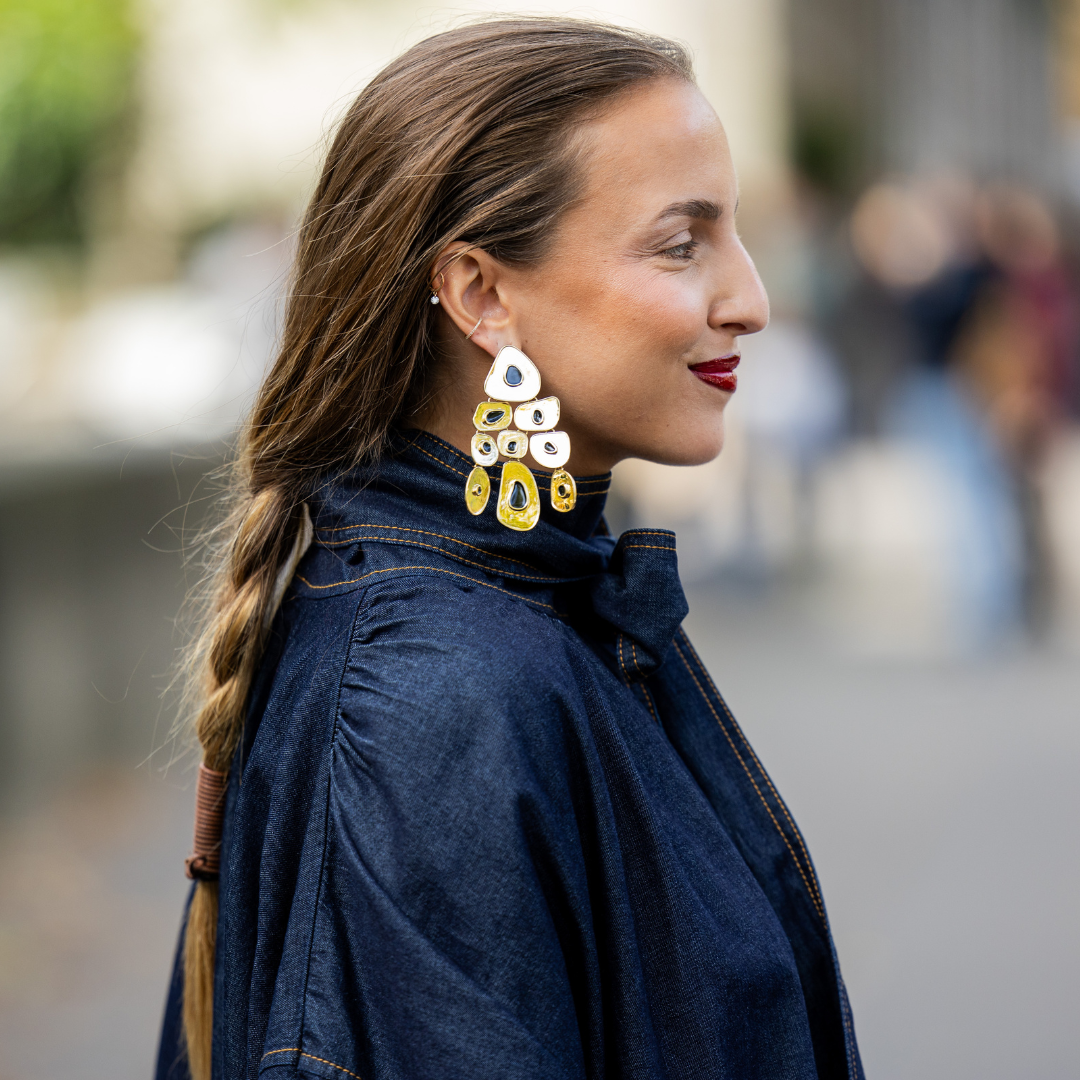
702, 209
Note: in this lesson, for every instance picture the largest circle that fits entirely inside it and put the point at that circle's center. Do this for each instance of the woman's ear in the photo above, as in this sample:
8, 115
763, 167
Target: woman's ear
466, 281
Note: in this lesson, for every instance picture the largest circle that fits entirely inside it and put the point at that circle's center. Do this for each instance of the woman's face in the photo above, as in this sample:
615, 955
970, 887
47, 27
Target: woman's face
646, 281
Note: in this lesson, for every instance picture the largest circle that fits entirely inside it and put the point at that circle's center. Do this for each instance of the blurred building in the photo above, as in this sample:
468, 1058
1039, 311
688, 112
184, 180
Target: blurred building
926, 86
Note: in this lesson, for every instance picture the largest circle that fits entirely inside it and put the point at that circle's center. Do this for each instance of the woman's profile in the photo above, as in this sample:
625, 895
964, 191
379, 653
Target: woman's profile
469, 804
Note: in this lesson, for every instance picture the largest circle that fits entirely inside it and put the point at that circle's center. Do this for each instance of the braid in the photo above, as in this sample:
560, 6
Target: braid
234, 638
251, 580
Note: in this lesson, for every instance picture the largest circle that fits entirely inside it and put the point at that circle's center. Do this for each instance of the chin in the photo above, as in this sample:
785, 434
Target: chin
689, 447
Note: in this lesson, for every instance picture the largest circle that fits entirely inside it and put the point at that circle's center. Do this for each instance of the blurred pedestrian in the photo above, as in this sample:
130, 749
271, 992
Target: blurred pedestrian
1016, 355
918, 243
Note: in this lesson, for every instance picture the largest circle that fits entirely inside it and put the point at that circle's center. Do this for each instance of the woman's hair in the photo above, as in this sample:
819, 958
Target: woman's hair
467, 136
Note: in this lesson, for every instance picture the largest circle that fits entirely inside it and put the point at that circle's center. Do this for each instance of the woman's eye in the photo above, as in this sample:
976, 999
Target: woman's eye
684, 251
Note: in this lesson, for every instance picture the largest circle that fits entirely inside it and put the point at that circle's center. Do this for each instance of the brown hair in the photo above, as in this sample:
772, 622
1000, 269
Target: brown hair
464, 137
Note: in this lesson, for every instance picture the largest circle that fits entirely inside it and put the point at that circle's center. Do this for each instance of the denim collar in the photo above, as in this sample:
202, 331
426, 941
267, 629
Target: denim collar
415, 496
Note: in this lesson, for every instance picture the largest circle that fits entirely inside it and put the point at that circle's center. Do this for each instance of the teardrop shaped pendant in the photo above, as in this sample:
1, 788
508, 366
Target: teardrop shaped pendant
477, 490
519, 500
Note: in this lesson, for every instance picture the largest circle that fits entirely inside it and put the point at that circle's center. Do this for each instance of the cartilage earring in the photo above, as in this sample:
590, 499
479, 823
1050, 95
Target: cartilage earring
514, 381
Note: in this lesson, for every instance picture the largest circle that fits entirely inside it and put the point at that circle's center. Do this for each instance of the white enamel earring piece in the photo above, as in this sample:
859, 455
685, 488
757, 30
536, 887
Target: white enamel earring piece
550, 448
485, 450
540, 415
513, 377
513, 444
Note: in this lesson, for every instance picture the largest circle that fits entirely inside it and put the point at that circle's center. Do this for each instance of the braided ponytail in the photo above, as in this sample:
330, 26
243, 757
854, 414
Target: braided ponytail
253, 575
464, 137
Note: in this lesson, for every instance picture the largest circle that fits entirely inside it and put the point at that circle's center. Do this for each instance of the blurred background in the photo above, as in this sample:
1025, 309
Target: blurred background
883, 566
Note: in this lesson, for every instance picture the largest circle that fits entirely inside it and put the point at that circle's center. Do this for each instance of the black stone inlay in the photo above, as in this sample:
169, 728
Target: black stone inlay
513, 376
551, 448
564, 490
538, 416
485, 448
519, 497
493, 417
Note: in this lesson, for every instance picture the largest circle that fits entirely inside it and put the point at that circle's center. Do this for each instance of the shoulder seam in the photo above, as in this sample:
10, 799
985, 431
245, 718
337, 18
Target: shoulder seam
407, 542
431, 570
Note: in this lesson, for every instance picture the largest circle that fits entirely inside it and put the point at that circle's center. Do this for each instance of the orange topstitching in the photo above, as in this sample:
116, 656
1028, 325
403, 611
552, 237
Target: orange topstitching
297, 1050
423, 532
723, 727
434, 570
459, 558
776, 794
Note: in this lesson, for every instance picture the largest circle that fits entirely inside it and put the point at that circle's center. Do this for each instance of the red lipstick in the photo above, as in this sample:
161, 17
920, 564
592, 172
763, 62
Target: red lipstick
720, 373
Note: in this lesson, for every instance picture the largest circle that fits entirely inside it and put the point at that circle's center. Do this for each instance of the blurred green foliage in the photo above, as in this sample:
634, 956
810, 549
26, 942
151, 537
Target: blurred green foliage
827, 148
66, 81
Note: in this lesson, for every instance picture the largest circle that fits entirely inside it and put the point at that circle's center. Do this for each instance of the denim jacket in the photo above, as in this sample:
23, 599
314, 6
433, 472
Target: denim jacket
491, 819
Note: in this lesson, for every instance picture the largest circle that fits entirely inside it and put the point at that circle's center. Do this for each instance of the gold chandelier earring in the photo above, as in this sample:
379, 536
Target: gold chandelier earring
512, 386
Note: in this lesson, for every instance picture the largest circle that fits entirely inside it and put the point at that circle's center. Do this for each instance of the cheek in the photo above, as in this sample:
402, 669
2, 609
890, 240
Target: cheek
666, 312
625, 302
636, 322
614, 342
651, 324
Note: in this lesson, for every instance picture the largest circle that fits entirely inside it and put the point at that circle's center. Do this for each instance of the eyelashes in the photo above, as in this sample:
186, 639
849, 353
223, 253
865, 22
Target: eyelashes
683, 252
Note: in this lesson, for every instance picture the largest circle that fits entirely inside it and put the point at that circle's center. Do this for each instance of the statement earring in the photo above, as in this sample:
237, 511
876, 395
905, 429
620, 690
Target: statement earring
513, 379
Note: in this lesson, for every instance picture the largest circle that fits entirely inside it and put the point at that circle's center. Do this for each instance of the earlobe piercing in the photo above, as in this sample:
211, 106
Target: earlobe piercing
514, 378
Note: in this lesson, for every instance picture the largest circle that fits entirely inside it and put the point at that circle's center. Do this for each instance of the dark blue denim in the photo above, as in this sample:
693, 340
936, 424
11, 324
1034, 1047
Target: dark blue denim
491, 820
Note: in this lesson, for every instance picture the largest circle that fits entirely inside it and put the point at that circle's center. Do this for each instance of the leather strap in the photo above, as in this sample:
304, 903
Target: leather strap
204, 862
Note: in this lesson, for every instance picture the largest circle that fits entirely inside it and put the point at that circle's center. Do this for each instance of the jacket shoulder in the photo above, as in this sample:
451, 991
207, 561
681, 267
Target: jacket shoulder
447, 640
454, 707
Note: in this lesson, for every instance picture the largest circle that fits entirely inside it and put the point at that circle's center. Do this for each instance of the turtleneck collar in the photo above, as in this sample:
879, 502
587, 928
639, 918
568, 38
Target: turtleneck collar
415, 495
420, 483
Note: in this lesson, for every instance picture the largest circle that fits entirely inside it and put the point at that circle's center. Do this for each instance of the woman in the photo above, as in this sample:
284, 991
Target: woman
484, 813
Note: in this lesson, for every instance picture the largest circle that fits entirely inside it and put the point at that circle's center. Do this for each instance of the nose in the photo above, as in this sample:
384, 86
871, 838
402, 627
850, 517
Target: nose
741, 305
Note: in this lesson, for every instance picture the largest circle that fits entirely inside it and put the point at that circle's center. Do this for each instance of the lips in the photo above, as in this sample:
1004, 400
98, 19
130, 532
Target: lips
719, 373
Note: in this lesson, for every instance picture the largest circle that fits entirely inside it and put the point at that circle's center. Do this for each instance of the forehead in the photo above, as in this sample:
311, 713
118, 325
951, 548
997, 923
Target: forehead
656, 145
